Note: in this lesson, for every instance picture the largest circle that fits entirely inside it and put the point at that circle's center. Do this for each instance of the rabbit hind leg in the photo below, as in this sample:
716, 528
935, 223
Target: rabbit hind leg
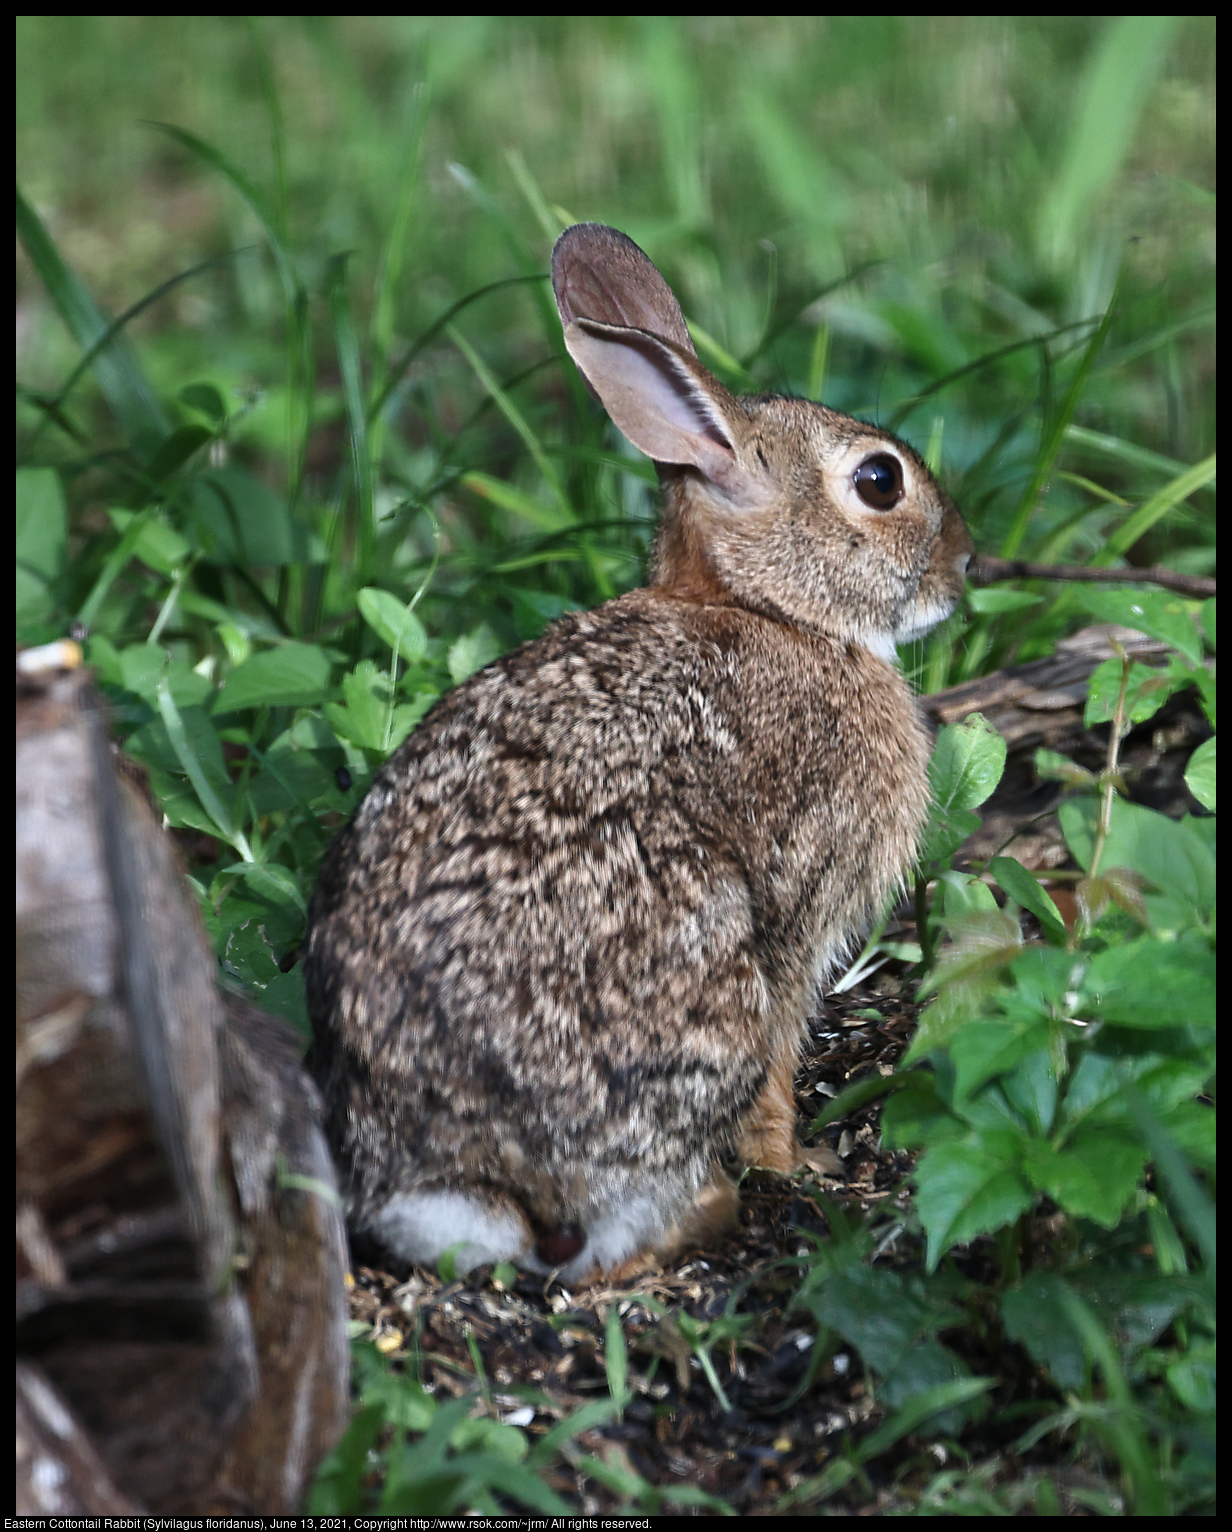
768, 1132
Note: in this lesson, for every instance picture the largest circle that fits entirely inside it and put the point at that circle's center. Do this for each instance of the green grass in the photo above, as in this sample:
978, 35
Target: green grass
331, 458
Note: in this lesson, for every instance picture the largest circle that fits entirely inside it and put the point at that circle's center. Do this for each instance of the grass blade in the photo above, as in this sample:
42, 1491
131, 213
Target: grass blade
1152, 510
1055, 422
514, 416
350, 367
125, 387
1110, 102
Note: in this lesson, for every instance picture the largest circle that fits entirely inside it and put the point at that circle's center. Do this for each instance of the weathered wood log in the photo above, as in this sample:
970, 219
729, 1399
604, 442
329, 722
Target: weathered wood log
180, 1252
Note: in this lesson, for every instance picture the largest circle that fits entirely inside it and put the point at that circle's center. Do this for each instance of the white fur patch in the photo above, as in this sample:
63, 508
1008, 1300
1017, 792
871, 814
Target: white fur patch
421, 1226
883, 645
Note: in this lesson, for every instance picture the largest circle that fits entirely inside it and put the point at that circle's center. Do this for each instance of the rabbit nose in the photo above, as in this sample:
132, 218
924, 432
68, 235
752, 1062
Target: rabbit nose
961, 563
561, 1245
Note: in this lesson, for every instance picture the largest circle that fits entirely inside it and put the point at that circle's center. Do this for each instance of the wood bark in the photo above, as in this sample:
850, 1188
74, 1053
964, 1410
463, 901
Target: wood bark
180, 1253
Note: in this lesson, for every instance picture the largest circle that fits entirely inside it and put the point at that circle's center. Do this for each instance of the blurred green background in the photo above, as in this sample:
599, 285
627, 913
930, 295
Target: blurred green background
920, 220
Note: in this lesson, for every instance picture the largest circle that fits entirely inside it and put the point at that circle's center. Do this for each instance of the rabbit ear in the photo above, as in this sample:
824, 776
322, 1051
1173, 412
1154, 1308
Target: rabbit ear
599, 273
665, 403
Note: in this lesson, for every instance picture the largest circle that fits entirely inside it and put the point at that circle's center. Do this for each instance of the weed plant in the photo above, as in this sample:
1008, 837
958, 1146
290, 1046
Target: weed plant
335, 460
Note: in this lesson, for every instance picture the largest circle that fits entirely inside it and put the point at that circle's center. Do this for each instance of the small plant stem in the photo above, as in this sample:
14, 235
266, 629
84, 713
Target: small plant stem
1114, 747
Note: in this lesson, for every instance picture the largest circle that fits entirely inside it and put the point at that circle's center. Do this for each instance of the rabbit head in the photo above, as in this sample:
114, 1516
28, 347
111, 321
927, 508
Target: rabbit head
777, 505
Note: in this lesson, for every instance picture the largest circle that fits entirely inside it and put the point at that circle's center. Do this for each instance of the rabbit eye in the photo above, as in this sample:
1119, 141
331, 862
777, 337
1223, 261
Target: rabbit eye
879, 482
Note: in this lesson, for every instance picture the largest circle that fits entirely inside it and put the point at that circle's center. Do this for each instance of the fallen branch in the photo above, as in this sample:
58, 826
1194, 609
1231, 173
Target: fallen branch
986, 570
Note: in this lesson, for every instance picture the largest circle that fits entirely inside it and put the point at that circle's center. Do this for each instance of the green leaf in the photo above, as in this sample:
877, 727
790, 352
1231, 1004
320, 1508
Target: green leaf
916, 1114
158, 545
1034, 1317
549, 518
534, 609
1093, 1176
966, 765
616, 1356
274, 882
175, 449
1051, 766
1155, 613
1147, 688
205, 398
1024, 888
926, 1365
124, 386
1208, 620
984, 1048
962, 894
1200, 774
970, 1187
42, 536
1152, 984
240, 522
191, 763
363, 719
293, 675
1171, 854
472, 652
1000, 598
393, 621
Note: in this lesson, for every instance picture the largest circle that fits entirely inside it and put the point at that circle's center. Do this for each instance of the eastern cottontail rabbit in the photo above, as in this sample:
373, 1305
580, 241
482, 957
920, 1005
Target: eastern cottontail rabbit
561, 959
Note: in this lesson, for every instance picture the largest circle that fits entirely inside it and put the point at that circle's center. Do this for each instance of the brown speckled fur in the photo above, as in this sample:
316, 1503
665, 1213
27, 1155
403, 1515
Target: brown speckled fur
563, 953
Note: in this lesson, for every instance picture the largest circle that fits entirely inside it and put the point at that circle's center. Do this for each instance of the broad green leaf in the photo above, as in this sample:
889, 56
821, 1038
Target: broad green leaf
917, 1115
394, 622
1169, 853
945, 832
1208, 620
1152, 984
158, 545
966, 764
1035, 1318
1030, 1086
240, 522
274, 882
175, 449
363, 719
205, 398
1147, 688
1093, 1176
1192, 1378
472, 652
293, 675
42, 534
875, 1311
970, 1187
924, 1365
999, 598
1200, 774
962, 894
1024, 888
984, 1048
1155, 613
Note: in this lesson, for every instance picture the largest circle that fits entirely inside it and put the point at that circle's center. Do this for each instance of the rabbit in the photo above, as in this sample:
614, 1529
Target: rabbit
560, 962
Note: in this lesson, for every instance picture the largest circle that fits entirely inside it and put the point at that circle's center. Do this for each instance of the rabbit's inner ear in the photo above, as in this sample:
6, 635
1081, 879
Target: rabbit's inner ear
657, 402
